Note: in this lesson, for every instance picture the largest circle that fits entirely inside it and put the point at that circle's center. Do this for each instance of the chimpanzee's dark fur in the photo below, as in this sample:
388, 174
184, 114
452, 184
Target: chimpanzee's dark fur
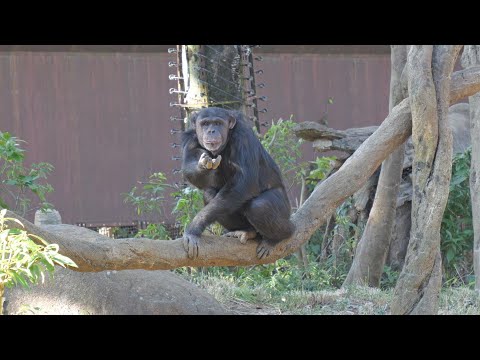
245, 192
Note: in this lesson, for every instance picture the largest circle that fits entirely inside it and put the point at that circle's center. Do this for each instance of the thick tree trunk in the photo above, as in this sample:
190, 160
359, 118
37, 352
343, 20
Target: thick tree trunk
429, 74
103, 253
471, 57
223, 69
213, 77
194, 78
367, 267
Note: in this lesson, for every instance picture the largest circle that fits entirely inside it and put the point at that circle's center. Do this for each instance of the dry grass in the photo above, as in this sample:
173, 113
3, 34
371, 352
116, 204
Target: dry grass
350, 301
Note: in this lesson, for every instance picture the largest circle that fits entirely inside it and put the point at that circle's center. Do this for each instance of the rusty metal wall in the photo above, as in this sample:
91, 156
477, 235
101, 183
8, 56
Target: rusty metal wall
300, 84
102, 119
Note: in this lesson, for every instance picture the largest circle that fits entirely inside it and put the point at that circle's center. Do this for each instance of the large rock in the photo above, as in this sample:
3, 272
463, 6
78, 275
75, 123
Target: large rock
47, 217
127, 292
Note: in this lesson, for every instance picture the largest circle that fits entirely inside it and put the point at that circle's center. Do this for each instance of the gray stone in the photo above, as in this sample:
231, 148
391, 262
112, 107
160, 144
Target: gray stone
127, 292
47, 217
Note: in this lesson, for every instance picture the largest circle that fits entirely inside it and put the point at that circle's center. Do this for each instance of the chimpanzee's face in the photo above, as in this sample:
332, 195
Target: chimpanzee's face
212, 132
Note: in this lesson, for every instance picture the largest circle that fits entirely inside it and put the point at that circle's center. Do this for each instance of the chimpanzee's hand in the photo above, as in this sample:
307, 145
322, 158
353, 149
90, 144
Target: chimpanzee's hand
206, 162
190, 243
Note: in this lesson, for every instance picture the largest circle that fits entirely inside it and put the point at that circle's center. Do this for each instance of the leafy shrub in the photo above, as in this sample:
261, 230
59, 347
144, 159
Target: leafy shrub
457, 231
18, 182
285, 148
150, 200
154, 232
22, 260
189, 203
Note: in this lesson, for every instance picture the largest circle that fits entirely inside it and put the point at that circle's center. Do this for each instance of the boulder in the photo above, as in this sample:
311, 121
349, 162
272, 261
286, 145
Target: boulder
126, 292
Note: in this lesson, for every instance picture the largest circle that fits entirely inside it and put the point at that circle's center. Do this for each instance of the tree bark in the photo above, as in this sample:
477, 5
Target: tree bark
120, 254
429, 74
471, 57
223, 69
212, 77
367, 266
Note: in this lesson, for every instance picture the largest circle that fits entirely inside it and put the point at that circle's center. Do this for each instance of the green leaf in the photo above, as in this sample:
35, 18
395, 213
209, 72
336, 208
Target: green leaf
38, 238
63, 260
450, 255
3, 204
13, 219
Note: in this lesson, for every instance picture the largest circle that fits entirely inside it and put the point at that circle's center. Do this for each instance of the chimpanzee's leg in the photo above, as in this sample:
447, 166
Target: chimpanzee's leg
236, 224
269, 213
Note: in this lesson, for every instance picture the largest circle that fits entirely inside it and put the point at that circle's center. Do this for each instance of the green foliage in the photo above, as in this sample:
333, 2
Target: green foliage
151, 198
18, 182
120, 232
389, 278
22, 260
285, 148
189, 203
456, 231
155, 232
283, 275
319, 170
150, 201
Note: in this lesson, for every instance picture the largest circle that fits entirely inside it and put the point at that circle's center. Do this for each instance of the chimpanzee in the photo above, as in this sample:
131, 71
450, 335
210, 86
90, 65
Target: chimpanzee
242, 185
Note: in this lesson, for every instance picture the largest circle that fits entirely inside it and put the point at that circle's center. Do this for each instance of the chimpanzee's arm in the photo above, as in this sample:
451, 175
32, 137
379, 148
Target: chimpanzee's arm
196, 164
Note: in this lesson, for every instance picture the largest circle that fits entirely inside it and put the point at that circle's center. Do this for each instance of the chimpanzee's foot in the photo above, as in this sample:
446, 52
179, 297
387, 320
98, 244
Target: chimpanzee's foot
264, 249
243, 235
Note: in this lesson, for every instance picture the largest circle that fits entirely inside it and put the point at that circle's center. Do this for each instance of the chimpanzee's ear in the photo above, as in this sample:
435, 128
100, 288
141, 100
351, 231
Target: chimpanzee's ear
232, 122
232, 119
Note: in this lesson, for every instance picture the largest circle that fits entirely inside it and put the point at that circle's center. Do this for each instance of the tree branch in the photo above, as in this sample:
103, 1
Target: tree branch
95, 252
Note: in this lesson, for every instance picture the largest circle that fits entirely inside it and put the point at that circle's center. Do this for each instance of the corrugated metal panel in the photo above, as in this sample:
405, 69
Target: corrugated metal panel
314, 49
102, 118
301, 84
